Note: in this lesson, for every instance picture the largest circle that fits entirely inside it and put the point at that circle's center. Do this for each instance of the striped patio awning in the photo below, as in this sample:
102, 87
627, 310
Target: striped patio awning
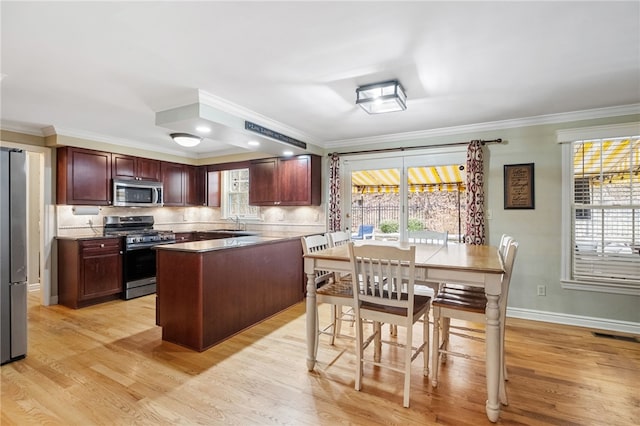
421, 179
612, 157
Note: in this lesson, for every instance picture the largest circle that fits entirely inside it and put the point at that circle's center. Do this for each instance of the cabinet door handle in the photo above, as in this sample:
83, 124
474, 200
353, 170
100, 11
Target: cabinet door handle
101, 245
120, 251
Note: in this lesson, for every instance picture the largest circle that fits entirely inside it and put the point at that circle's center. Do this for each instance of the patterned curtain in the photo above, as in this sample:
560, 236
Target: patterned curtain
334, 193
475, 195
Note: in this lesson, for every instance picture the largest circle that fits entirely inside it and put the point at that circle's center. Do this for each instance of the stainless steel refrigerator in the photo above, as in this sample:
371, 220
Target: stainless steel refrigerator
13, 255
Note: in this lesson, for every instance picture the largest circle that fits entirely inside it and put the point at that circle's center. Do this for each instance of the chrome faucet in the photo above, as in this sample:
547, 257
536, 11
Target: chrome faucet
239, 226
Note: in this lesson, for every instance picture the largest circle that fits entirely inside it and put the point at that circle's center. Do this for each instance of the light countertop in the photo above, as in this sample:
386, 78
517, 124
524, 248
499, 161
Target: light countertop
228, 243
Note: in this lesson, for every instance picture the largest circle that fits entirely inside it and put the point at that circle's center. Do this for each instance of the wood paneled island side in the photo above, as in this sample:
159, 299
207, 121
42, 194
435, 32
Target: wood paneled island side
208, 291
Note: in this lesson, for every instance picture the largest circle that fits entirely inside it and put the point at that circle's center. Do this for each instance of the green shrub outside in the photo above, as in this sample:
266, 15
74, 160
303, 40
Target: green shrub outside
390, 226
415, 225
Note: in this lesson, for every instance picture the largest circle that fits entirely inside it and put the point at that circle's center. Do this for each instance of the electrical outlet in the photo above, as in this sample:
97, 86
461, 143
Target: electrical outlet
542, 290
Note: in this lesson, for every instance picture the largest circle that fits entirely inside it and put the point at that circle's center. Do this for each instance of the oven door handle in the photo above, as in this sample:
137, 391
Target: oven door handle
143, 246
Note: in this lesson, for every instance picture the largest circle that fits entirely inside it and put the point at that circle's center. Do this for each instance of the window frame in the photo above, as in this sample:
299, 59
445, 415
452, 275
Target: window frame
224, 197
567, 138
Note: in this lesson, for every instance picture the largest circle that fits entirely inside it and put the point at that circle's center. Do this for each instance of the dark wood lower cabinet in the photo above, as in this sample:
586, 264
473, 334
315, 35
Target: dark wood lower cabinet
89, 271
204, 298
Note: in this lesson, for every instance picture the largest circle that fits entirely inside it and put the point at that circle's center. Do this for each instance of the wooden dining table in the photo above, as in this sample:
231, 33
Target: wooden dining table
475, 265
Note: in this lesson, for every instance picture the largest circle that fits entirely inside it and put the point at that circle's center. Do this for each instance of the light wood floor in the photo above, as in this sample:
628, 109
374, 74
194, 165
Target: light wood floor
107, 365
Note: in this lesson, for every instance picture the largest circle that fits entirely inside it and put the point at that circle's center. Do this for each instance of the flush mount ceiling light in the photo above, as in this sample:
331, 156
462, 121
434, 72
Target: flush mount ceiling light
186, 139
377, 98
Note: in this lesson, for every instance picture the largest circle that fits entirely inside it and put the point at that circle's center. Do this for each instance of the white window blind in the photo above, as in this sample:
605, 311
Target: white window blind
605, 212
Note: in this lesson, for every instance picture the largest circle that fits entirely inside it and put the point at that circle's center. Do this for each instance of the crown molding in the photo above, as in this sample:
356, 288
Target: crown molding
596, 132
19, 128
490, 126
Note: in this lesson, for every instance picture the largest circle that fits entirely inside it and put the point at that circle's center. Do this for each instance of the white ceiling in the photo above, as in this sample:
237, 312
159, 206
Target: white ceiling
102, 70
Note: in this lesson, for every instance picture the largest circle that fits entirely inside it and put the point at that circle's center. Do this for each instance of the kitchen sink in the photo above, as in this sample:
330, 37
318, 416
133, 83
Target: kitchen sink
231, 242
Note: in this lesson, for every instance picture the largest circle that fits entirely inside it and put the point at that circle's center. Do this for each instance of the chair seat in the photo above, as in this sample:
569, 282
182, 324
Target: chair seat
466, 288
420, 303
459, 299
338, 288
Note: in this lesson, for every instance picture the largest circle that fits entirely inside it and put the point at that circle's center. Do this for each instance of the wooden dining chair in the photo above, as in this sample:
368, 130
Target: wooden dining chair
469, 304
428, 288
451, 287
373, 268
337, 293
339, 238
428, 237
425, 288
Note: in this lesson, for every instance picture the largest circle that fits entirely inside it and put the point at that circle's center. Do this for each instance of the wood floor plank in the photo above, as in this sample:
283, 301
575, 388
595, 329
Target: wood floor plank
107, 364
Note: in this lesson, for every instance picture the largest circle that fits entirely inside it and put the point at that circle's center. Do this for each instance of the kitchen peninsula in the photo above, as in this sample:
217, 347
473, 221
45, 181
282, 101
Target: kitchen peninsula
210, 290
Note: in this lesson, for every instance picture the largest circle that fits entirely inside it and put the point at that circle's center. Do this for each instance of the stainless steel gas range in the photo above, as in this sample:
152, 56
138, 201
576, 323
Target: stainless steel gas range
139, 263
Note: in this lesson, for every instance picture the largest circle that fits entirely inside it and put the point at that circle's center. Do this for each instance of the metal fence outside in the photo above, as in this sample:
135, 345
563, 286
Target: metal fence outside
444, 211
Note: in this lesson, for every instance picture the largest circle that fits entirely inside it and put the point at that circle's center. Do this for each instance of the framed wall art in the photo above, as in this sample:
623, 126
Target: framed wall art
519, 186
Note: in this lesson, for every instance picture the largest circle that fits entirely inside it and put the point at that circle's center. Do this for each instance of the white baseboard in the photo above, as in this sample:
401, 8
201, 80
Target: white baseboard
576, 320
54, 300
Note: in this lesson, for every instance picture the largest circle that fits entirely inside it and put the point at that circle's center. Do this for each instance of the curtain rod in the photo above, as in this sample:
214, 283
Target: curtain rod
372, 151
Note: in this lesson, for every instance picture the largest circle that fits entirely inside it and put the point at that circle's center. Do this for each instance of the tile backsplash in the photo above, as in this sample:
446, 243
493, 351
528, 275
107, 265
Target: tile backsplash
182, 219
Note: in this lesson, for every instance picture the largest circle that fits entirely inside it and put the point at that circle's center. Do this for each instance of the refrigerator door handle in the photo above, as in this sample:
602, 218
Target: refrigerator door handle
18, 214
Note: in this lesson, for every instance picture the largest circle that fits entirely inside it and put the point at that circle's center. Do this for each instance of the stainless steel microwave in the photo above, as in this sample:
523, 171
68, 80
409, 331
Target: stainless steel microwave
137, 193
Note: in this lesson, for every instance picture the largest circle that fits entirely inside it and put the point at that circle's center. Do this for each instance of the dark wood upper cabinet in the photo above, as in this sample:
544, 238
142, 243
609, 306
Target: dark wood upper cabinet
83, 176
194, 186
290, 181
299, 180
173, 176
183, 185
263, 184
135, 168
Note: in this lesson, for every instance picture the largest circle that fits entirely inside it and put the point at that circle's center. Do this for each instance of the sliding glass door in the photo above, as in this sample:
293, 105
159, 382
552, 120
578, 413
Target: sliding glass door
397, 194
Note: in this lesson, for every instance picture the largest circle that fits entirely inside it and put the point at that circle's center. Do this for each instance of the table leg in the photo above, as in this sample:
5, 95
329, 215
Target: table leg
492, 352
312, 325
